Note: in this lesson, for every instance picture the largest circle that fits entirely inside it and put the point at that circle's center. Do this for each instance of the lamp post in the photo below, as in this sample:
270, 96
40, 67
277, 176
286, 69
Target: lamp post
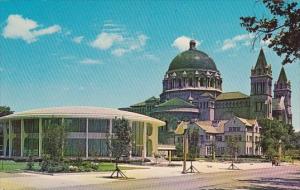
279, 150
185, 142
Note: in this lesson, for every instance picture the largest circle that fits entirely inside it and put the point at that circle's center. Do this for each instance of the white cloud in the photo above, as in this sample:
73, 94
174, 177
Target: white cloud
244, 39
106, 40
78, 39
138, 42
117, 40
89, 61
131, 44
119, 52
228, 44
182, 43
26, 29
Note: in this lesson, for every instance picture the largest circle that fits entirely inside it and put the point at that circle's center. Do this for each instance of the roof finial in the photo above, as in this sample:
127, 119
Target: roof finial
192, 45
190, 98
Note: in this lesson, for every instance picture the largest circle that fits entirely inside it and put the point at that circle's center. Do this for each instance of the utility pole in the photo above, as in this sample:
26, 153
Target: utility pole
184, 151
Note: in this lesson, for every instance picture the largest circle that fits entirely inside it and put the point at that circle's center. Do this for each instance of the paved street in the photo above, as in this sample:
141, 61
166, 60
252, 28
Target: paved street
283, 177
278, 178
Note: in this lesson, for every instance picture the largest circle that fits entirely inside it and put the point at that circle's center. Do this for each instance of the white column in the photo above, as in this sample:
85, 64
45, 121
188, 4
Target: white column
10, 138
64, 140
22, 137
87, 139
130, 152
144, 141
110, 134
40, 137
5, 135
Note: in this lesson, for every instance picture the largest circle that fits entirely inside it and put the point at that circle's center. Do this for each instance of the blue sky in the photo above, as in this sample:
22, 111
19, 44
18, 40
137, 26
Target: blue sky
114, 54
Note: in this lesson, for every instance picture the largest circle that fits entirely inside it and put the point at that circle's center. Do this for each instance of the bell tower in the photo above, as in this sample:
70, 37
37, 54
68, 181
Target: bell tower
261, 89
282, 88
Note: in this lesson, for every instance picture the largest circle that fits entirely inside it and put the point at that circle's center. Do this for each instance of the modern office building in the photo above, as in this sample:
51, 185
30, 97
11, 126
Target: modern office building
87, 128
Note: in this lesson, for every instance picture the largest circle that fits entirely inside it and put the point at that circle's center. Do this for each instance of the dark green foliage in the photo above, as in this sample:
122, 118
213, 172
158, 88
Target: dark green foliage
272, 132
54, 138
53, 141
297, 140
5, 110
83, 166
120, 144
282, 29
52, 166
179, 150
193, 143
30, 163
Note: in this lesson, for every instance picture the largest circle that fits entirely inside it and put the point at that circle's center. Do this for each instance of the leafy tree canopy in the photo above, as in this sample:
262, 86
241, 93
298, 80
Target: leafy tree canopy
121, 141
5, 110
281, 31
272, 132
53, 140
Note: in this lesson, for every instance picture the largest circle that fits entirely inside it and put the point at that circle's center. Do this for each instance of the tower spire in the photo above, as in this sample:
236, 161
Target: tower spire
282, 76
261, 60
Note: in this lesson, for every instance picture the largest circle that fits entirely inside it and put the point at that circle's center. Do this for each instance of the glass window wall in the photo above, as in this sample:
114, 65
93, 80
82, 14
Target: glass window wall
99, 125
16, 141
31, 142
74, 147
98, 147
75, 124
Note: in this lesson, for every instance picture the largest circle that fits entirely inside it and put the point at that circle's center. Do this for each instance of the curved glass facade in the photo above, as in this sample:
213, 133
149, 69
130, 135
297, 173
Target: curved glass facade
85, 137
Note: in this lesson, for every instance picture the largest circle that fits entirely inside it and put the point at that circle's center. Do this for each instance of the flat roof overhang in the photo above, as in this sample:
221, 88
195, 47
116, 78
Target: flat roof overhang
83, 112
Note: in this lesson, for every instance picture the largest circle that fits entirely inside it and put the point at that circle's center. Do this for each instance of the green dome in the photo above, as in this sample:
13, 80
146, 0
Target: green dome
192, 59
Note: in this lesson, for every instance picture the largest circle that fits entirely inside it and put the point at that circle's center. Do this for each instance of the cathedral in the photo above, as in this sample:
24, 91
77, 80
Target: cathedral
192, 91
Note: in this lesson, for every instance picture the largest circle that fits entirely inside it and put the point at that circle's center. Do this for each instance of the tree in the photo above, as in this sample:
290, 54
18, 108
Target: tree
233, 148
53, 143
281, 31
119, 144
193, 143
272, 132
54, 139
297, 140
5, 110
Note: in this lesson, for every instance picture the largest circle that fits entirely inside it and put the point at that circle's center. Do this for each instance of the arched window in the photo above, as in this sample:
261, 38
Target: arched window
212, 82
173, 83
197, 82
201, 82
190, 82
179, 83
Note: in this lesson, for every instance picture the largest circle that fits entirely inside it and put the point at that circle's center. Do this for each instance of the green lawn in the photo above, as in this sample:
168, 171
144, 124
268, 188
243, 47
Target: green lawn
11, 166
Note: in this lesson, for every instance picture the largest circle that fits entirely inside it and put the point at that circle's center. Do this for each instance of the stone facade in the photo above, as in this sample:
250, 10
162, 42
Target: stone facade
246, 135
236, 136
193, 78
282, 95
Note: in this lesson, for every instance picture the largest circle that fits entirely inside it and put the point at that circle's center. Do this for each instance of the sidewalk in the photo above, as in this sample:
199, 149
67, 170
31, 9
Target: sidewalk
39, 181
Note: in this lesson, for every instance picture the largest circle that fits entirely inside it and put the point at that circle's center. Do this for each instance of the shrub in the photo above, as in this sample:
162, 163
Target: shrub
52, 166
30, 163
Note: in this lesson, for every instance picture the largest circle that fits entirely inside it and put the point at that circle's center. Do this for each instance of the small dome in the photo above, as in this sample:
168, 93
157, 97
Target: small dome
192, 59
